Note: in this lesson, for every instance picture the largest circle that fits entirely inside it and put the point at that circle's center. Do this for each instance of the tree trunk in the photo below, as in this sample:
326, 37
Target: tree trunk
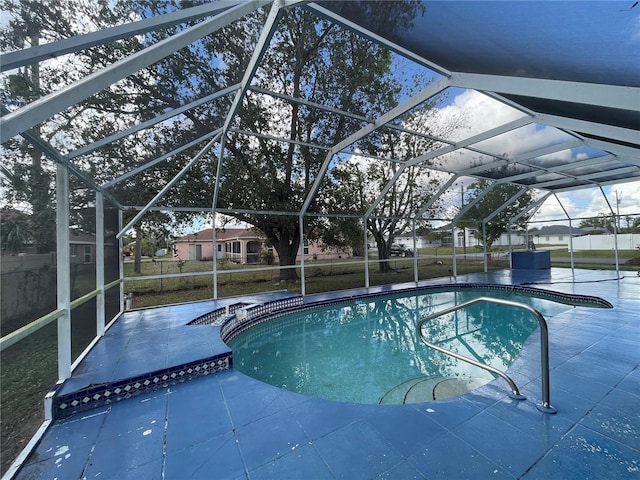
287, 253
384, 255
383, 244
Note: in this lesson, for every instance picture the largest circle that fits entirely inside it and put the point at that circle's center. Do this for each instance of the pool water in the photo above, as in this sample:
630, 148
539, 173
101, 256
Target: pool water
368, 351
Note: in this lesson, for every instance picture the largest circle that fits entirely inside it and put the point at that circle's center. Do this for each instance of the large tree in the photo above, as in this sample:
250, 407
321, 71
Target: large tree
601, 220
392, 187
135, 99
486, 200
311, 61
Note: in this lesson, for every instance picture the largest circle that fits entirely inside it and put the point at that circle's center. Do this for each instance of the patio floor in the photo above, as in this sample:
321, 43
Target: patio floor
227, 425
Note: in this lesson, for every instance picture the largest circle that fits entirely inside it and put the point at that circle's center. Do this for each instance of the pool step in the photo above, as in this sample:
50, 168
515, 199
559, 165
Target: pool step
427, 389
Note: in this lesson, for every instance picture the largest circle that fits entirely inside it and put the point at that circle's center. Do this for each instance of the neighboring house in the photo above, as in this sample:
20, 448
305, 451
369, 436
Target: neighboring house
242, 245
554, 234
82, 247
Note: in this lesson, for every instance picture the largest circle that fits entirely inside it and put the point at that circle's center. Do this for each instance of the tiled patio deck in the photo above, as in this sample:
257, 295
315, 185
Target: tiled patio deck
227, 425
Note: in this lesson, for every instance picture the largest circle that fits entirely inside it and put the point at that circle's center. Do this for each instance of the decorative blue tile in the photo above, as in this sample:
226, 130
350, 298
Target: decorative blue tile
621, 424
501, 442
404, 470
66, 462
406, 429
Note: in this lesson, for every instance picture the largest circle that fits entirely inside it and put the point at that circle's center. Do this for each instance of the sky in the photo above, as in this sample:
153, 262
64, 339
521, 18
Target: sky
482, 113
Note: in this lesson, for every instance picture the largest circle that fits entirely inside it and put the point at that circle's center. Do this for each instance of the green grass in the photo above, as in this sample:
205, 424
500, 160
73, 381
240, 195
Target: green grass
323, 275
320, 276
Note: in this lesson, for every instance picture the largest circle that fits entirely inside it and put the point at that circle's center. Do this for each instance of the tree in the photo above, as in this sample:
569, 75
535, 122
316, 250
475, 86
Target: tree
601, 220
14, 227
314, 61
30, 177
309, 60
30, 180
359, 183
494, 199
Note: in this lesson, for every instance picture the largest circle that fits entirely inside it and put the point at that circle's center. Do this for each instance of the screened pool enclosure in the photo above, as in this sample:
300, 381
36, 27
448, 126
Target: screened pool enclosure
309, 121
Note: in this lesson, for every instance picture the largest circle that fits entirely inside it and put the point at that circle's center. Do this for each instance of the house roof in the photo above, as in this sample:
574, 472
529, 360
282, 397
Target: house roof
222, 234
555, 230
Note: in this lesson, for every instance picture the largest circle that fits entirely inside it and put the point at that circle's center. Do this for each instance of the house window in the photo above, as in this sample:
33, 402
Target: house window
73, 250
219, 247
547, 238
560, 237
236, 247
87, 254
306, 247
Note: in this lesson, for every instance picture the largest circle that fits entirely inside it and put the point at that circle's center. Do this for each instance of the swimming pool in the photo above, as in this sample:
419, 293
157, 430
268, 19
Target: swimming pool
367, 350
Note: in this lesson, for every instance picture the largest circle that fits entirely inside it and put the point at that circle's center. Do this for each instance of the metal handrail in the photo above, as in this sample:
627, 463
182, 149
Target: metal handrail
544, 347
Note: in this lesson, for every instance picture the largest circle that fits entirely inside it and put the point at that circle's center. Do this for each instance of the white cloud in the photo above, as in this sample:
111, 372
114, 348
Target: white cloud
482, 113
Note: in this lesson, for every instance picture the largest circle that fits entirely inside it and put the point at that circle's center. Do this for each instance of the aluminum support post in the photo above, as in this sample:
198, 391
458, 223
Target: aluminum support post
63, 276
302, 277
100, 299
366, 254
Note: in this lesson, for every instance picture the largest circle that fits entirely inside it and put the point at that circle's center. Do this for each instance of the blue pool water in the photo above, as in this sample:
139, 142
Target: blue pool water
368, 351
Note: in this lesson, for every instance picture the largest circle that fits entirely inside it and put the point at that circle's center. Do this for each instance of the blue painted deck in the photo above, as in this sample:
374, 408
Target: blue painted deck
229, 426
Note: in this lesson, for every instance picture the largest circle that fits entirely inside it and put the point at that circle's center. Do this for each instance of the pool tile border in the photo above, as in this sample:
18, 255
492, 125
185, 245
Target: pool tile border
235, 325
103, 394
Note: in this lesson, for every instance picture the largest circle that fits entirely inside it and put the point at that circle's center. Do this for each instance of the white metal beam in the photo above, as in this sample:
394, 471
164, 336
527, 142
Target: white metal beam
436, 196
160, 159
624, 152
149, 123
279, 139
404, 107
591, 176
63, 271
38, 111
27, 56
476, 200
534, 206
45, 147
512, 199
328, 14
168, 186
610, 96
621, 134
100, 298
559, 168
507, 127
522, 158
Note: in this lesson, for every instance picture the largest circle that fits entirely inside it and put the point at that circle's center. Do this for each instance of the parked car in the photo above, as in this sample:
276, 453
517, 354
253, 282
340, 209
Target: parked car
401, 249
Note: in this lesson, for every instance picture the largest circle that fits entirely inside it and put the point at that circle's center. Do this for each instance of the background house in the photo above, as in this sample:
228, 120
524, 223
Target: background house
82, 247
242, 245
239, 244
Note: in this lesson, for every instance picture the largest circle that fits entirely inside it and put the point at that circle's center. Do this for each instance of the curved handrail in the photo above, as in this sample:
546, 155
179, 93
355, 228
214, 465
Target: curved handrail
544, 347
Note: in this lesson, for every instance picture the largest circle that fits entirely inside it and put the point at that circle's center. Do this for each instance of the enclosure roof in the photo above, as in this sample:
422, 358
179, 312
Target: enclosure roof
584, 82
